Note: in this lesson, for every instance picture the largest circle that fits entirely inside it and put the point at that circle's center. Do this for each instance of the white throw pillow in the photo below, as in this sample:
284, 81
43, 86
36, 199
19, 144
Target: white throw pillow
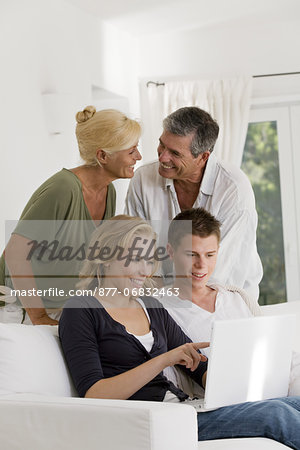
31, 361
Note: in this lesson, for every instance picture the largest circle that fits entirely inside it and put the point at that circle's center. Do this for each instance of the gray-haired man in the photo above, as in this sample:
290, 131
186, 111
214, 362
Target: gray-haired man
187, 174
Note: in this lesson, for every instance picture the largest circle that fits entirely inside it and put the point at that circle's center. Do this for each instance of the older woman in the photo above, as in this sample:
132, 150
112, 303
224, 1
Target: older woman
117, 339
70, 203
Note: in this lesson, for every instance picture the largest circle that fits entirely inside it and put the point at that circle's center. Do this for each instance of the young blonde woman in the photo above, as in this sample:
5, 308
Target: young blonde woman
107, 142
117, 344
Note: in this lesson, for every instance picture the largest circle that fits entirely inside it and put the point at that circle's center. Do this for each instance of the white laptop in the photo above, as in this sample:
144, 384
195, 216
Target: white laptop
250, 360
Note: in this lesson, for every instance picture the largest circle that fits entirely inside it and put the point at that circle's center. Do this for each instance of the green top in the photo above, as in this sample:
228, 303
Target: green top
60, 198
56, 216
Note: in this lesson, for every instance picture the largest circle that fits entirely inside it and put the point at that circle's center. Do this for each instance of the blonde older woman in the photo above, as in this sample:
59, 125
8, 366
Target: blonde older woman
107, 142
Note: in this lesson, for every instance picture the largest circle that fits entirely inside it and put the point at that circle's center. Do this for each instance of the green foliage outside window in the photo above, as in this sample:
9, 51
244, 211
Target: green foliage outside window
260, 163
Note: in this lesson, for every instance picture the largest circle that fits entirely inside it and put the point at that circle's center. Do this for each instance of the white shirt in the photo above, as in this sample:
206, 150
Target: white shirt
227, 194
147, 340
196, 322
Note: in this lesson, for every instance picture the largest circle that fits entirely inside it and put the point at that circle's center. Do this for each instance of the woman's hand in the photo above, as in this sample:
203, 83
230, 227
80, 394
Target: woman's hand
16, 256
186, 355
40, 317
127, 383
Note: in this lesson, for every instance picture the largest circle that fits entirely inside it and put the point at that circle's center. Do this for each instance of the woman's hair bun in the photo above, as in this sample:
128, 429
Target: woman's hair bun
86, 114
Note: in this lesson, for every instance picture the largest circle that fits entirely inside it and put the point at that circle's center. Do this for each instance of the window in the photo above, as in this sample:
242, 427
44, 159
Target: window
268, 161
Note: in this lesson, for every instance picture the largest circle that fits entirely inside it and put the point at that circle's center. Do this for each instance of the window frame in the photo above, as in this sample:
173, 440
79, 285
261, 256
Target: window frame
286, 117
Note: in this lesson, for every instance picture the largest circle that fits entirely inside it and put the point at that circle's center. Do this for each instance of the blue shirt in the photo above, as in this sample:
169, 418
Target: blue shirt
96, 346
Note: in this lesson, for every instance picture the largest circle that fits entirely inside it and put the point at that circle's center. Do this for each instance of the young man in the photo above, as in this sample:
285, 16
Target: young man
194, 252
188, 174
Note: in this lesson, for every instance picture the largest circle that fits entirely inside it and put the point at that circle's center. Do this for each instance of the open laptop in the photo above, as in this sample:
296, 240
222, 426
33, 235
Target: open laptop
250, 360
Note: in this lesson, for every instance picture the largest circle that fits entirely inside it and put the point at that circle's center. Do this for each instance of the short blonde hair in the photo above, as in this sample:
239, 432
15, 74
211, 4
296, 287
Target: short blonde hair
119, 231
109, 130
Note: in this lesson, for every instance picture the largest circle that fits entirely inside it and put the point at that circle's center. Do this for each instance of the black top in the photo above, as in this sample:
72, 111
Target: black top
96, 346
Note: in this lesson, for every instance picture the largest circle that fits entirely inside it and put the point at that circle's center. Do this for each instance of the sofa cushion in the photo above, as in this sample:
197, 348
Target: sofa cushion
286, 308
31, 361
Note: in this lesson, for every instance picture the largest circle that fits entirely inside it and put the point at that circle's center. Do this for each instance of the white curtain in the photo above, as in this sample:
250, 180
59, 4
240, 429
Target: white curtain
227, 101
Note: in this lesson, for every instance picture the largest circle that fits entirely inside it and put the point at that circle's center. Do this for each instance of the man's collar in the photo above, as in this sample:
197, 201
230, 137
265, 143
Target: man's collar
166, 182
208, 180
209, 176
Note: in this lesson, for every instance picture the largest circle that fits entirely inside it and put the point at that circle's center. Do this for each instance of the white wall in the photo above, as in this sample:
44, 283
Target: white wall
51, 47
119, 74
255, 45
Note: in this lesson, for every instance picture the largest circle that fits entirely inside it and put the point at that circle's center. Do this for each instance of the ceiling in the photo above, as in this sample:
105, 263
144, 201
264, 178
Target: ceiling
155, 16
116, 8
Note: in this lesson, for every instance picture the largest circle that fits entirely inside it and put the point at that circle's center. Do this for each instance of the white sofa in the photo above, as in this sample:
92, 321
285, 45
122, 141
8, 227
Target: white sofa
39, 409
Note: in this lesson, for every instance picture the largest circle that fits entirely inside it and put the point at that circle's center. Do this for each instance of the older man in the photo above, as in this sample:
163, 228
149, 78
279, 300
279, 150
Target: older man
187, 174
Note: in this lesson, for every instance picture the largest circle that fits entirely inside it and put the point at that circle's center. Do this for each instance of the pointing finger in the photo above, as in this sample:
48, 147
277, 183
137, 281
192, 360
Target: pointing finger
198, 345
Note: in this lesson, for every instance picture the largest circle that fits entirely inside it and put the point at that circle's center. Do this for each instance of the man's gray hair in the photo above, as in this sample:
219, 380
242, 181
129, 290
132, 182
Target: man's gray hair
192, 119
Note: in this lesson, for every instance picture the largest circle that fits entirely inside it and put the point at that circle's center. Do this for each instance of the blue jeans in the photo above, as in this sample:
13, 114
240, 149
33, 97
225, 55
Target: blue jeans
277, 419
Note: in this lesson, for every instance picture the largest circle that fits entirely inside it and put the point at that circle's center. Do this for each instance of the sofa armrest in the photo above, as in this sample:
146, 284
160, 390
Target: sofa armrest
286, 308
63, 423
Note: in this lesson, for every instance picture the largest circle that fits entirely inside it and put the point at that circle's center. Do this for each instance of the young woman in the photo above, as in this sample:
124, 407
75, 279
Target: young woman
117, 344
